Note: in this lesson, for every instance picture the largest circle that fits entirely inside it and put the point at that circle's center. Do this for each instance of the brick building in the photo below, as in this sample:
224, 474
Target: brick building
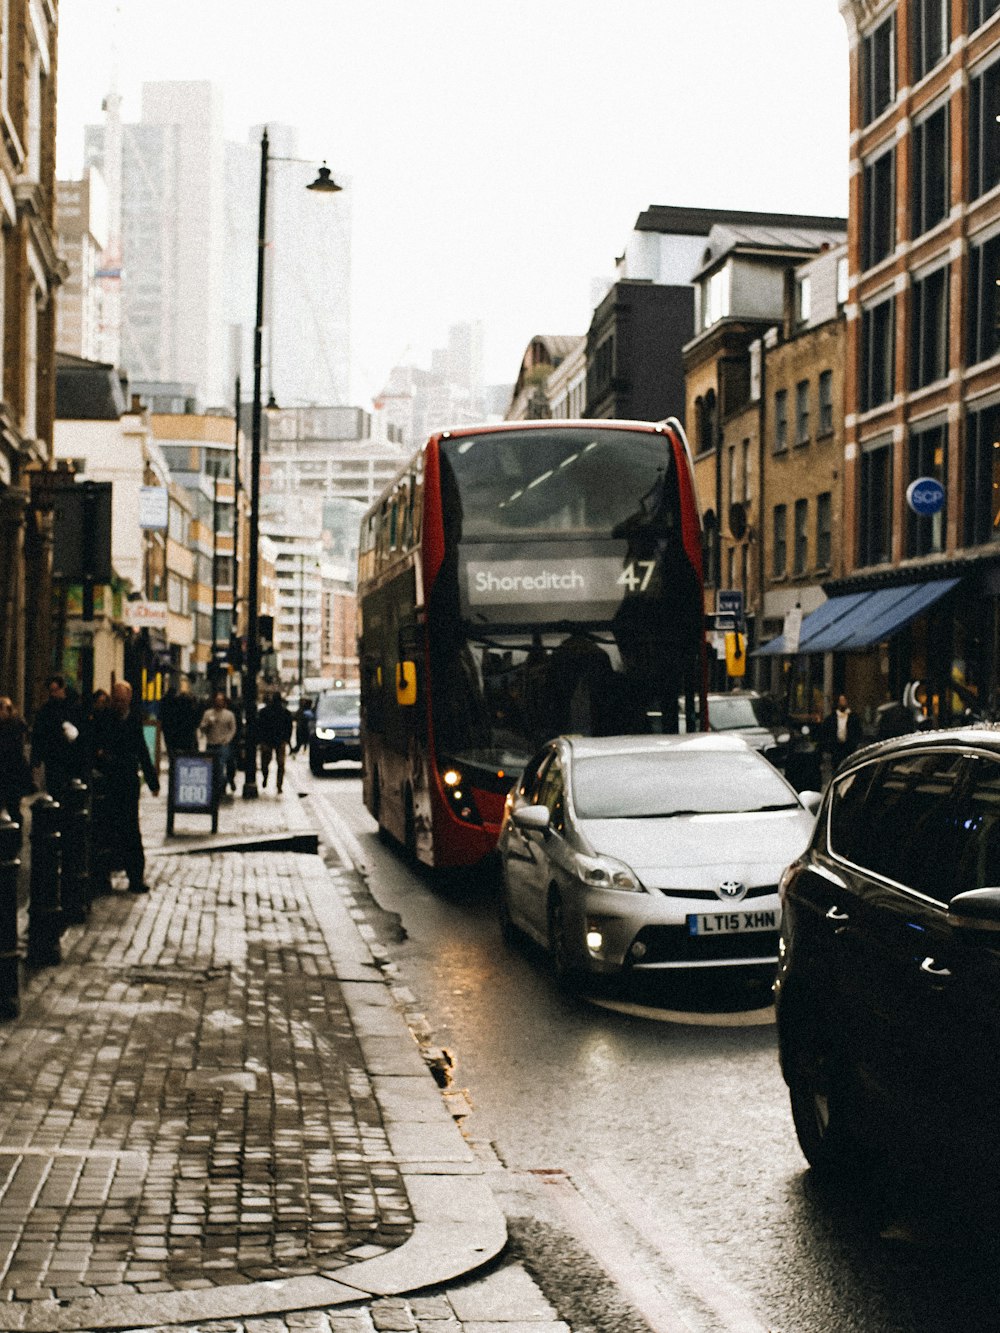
922, 384
31, 272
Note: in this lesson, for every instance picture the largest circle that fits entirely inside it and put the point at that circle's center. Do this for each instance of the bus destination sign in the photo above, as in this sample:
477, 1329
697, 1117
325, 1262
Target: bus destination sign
595, 581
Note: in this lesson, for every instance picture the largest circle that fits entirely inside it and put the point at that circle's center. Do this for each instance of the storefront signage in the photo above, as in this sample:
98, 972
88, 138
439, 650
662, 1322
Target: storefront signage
925, 496
146, 615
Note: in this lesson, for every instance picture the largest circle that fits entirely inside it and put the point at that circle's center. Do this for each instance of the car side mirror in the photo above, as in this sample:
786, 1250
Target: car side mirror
532, 818
975, 909
812, 800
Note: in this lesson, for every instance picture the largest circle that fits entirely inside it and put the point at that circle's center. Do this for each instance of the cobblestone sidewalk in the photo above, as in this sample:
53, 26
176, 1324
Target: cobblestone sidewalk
185, 1103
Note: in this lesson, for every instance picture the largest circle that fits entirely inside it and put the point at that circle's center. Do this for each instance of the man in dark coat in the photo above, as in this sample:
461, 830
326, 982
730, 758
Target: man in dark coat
840, 734
121, 754
55, 739
15, 775
180, 714
274, 732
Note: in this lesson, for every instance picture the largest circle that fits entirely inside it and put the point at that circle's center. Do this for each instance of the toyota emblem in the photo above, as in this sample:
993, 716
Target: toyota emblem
731, 891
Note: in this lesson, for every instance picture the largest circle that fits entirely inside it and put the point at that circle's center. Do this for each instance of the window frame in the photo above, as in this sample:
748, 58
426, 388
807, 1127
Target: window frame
780, 421
802, 396
824, 530
878, 47
925, 534
871, 314
800, 537
824, 421
878, 214
930, 325
927, 47
779, 546
875, 517
927, 211
983, 300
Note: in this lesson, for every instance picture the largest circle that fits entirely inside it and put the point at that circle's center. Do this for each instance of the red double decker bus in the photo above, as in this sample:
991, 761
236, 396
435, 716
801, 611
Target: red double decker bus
517, 582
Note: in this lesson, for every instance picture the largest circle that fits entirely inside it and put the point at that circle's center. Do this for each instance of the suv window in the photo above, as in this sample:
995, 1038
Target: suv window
979, 861
899, 820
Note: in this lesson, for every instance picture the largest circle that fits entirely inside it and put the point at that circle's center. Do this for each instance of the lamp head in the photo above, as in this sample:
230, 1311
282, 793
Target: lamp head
324, 182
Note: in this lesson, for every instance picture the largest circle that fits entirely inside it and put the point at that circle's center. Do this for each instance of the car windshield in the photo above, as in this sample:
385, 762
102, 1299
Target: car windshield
732, 714
658, 784
338, 708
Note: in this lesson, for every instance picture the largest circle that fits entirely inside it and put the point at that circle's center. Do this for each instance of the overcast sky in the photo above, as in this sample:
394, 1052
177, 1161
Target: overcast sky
500, 150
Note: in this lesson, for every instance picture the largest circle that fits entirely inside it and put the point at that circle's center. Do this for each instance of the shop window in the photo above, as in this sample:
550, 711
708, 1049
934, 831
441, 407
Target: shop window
875, 518
929, 329
780, 566
878, 69
800, 551
930, 34
984, 130
878, 376
929, 198
984, 300
878, 237
982, 476
928, 458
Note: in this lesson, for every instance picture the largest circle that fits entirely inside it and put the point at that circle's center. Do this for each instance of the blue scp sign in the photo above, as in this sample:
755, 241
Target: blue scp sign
925, 496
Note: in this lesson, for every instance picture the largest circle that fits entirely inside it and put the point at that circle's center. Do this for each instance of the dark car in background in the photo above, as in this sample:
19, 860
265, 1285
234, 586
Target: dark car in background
888, 986
336, 730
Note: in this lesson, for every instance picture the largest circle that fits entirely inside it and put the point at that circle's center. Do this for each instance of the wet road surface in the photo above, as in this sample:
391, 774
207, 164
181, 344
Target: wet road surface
654, 1146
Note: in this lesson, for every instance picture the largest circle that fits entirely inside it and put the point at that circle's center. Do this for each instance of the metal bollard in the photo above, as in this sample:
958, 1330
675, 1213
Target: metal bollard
45, 917
100, 850
75, 827
10, 864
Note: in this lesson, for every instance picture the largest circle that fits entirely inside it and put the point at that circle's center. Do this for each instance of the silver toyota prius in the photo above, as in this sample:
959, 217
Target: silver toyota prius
635, 853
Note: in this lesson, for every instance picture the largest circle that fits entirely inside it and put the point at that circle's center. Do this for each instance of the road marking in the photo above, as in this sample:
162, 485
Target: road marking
349, 851
680, 1251
750, 1018
613, 1253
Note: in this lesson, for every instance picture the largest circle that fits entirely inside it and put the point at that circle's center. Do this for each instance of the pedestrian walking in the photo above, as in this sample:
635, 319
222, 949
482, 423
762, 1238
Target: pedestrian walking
304, 715
218, 726
120, 755
15, 771
840, 734
55, 739
180, 714
274, 732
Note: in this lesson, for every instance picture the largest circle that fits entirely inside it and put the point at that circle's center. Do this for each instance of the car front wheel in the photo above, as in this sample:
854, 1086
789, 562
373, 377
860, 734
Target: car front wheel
830, 1130
566, 974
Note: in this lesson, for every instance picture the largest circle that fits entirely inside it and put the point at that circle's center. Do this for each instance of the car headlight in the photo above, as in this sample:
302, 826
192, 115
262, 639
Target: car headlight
604, 872
326, 733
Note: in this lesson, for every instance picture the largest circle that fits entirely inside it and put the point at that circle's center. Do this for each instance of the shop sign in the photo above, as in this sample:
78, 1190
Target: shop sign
925, 496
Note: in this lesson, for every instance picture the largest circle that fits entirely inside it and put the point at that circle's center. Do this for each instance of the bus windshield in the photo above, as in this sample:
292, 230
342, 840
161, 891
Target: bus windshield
566, 601
571, 482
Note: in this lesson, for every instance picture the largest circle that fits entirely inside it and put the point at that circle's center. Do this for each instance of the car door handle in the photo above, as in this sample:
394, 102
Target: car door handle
838, 919
930, 968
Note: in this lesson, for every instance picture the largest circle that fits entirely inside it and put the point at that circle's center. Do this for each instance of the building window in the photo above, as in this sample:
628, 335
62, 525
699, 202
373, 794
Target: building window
803, 300
984, 130
980, 11
928, 458
929, 340
875, 519
802, 412
930, 34
824, 530
982, 476
716, 297
878, 376
878, 70
800, 553
984, 300
842, 282
825, 423
929, 198
733, 491
747, 464
879, 218
705, 419
30, 419
780, 566
781, 421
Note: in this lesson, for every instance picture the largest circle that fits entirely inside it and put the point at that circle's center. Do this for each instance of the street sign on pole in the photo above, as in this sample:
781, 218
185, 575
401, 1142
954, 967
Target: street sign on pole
792, 629
729, 608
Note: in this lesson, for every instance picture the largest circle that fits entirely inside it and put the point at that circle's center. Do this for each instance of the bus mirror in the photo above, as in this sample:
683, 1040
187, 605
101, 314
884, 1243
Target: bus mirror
406, 684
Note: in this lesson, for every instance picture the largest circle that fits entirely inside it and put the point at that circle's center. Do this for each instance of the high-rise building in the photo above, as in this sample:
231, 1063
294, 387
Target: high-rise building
173, 178
307, 325
82, 238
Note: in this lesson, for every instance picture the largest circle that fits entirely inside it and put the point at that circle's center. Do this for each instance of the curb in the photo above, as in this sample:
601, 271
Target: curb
458, 1225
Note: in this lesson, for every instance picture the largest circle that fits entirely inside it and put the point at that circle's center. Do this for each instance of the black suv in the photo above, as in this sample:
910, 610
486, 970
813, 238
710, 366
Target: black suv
336, 730
888, 987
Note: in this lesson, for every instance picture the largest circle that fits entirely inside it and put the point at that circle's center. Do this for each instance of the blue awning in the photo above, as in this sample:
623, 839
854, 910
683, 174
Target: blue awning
856, 620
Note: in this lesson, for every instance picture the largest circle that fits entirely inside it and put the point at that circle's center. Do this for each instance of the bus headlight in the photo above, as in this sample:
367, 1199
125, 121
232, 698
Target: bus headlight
460, 802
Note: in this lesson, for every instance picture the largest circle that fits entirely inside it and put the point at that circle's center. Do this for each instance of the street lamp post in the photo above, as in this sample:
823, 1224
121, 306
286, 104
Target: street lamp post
324, 183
